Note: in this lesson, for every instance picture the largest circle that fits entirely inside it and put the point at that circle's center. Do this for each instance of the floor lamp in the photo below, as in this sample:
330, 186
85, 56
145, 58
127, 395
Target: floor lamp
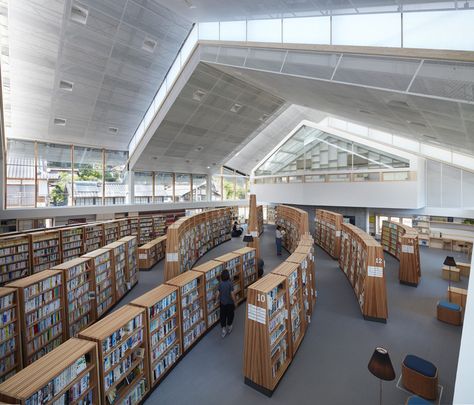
450, 262
381, 366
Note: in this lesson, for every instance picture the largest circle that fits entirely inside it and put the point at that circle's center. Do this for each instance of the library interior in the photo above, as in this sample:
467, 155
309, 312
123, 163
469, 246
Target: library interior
236, 202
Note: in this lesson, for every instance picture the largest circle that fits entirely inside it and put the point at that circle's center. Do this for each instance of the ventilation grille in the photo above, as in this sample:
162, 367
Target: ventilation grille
198, 95
149, 45
60, 121
236, 108
65, 85
79, 13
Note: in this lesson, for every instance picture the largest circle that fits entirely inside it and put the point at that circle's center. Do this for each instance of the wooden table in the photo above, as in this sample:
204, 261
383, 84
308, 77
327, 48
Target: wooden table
457, 296
451, 273
465, 268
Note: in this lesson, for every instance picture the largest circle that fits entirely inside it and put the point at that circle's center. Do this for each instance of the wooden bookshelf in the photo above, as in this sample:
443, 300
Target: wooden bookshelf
191, 299
67, 375
124, 227
119, 266
249, 266
104, 280
72, 242
45, 250
327, 233
304, 258
189, 238
146, 233
111, 232
363, 262
42, 315
163, 325
159, 225
401, 241
211, 271
267, 352
233, 263
134, 226
78, 290
14, 257
10, 333
131, 274
93, 237
151, 253
294, 222
260, 219
123, 355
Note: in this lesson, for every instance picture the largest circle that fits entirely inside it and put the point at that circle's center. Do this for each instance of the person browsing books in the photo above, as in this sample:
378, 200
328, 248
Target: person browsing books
227, 303
279, 233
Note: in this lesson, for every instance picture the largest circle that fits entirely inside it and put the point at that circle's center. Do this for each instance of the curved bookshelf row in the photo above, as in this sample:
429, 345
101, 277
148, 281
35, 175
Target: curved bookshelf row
294, 222
189, 238
401, 241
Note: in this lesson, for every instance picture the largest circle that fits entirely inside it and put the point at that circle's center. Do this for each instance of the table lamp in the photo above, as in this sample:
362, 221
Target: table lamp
381, 367
450, 262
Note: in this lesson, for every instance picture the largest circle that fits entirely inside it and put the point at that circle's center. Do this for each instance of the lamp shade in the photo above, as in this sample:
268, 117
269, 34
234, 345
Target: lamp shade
449, 261
380, 365
248, 238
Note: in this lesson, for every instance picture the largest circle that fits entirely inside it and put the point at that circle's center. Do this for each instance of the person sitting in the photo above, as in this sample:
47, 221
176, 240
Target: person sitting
236, 230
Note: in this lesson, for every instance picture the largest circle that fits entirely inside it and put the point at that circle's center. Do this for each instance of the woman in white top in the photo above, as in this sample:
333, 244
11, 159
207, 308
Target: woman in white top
279, 233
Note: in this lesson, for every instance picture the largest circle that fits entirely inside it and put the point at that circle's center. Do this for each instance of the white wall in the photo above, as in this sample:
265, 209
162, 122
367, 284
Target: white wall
396, 194
464, 388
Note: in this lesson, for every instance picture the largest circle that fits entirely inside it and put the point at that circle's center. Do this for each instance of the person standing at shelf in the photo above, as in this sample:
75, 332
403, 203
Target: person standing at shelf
227, 303
279, 233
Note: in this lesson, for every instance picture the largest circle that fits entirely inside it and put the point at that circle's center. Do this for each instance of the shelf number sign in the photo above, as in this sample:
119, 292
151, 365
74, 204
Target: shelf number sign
379, 260
261, 297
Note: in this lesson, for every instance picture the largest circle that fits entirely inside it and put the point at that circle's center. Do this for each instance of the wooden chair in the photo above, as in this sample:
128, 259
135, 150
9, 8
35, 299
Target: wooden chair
420, 377
449, 312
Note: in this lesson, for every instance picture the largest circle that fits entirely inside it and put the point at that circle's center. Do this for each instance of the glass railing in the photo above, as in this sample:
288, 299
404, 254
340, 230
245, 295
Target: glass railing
180, 61
408, 27
362, 176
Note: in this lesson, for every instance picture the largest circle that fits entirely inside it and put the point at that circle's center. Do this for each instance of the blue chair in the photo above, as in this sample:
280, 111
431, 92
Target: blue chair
449, 312
416, 400
420, 377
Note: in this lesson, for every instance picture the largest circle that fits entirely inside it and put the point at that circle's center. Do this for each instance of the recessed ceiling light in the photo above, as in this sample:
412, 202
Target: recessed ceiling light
155, 157
198, 95
236, 108
188, 161
189, 3
66, 85
214, 164
208, 167
149, 44
365, 112
264, 117
199, 148
79, 13
60, 121
112, 130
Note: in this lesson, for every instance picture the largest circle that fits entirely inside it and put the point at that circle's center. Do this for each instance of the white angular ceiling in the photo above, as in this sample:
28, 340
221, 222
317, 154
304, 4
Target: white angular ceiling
113, 76
214, 114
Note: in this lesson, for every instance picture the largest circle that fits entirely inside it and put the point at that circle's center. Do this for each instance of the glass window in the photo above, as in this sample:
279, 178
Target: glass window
182, 186
88, 172
163, 187
229, 188
20, 174
422, 30
307, 30
54, 173
407, 221
264, 30
199, 187
116, 177
143, 187
380, 223
367, 30
209, 31
216, 188
241, 188
233, 31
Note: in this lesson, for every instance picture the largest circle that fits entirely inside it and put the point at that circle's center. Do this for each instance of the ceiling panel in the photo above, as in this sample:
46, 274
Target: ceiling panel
439, 122
114, 78
212, 116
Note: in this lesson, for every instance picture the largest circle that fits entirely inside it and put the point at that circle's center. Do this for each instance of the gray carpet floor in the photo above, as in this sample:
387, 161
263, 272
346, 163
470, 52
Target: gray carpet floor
330, 367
